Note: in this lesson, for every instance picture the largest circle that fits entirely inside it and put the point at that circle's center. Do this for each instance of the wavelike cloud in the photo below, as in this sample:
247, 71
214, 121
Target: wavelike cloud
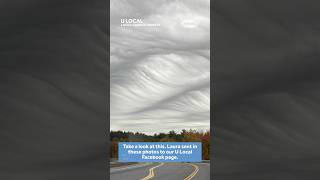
160, 77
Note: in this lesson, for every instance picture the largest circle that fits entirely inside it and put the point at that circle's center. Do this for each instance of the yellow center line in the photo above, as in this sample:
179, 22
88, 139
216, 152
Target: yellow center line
196, 169
151, 172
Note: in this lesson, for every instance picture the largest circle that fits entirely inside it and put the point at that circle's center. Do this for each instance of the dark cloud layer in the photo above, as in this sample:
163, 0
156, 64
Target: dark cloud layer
266, 78
53, 82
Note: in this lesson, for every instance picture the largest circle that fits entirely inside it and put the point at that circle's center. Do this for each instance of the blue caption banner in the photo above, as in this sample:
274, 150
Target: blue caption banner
159, 151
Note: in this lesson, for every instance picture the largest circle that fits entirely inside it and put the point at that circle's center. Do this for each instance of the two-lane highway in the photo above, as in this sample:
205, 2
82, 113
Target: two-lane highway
163, 171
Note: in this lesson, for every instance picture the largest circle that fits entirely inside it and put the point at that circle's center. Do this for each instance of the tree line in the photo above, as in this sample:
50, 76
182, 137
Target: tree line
171, 136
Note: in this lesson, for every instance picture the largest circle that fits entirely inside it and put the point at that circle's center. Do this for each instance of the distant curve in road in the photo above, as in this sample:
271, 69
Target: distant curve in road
165, 171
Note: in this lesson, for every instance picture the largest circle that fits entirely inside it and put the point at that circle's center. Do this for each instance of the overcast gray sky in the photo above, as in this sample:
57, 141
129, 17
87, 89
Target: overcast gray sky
160, 76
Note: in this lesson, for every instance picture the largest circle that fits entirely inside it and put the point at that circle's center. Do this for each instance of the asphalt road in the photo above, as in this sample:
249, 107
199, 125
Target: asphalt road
163, 171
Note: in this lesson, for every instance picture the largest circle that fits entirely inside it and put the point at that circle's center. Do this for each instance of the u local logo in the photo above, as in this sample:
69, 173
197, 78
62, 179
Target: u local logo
136, 22
131, 21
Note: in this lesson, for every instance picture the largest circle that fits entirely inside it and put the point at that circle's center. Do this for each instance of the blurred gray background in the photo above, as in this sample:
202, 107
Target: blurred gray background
266, 82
